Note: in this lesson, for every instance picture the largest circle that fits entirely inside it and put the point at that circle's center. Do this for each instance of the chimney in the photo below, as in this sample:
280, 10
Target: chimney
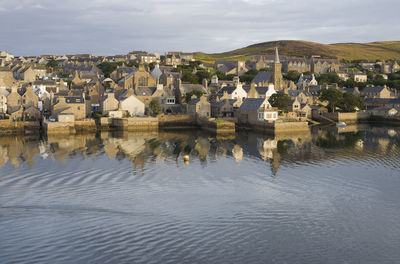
205, 84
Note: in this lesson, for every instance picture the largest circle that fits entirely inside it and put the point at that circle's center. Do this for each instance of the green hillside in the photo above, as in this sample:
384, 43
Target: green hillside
383, 50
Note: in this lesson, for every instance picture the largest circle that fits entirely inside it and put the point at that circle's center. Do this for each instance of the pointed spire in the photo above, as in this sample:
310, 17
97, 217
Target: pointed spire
276, 55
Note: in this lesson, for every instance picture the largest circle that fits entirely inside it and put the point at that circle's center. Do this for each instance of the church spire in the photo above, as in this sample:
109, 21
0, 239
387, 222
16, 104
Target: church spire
276, 55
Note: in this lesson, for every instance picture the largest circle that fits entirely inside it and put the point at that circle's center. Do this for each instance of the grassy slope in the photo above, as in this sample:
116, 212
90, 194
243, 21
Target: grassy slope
383, 50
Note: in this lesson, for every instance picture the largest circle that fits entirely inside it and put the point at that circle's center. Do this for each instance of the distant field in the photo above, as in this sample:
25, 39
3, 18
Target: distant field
383, 50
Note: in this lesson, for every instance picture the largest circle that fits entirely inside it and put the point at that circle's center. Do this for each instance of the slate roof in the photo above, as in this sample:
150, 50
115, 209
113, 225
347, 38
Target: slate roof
187, 87
382, 101
251, 104
372, 89
145, 91
294, 93
262, 76
222, 103
74, 100
194, 101
228, 89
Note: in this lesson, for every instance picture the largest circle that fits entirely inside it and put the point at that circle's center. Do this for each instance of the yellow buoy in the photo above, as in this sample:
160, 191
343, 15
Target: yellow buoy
186, 158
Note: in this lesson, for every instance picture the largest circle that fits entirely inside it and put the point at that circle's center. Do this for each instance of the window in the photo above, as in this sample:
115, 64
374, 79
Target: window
142, 81
260, 116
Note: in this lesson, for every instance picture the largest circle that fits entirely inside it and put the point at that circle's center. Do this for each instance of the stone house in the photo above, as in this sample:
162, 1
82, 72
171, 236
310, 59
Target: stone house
3, 100
31, 114
255, 110
129, 103
14, 101
172, 59
223, 108
234, 92
108, 103
32, 73
376, 92
360, 77
29, 98
6, 77
74, 105
199, 107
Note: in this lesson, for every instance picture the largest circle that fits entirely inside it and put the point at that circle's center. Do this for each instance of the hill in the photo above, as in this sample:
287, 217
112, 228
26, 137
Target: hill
382, 50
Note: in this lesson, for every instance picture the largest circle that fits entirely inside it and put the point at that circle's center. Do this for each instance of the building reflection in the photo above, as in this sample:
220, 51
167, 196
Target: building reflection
141, 149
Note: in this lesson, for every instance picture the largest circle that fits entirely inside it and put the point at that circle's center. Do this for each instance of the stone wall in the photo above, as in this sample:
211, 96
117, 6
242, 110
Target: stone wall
8, 127
176, 121
86, 125
135, 123
59, 128
281, 127
352, 117
222, 127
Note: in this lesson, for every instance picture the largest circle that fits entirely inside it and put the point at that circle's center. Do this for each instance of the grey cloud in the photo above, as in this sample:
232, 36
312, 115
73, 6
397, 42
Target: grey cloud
111, 27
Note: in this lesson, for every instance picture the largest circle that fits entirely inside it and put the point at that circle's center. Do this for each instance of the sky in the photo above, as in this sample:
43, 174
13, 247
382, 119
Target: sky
107, 27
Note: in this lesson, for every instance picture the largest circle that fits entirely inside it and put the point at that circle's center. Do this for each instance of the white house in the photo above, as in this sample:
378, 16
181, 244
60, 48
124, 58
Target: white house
234, 92
132, 105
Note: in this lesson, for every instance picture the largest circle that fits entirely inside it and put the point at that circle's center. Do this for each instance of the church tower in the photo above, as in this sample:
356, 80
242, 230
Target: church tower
277, 71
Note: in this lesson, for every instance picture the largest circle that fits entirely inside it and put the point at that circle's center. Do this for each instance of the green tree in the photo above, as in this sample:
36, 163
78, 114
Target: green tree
189, 95
203, 74
292, 76
333, 96
188, 76
280, 100
350, 102
154, 107
52, 64
379, 80
107, 67
249, 76
328, 78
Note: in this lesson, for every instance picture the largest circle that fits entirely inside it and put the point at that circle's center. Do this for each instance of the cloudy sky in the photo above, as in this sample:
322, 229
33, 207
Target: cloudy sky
33, 27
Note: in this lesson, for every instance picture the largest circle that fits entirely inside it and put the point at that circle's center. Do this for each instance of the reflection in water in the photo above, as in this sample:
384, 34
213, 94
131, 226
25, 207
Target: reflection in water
142, 148
328, 196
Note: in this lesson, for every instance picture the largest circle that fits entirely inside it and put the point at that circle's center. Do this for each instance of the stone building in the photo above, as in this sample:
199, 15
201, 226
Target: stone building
14, 100
199, 107
319, 66
6, 77
264, 78
74, 105
108, 102
297, 64
139, 78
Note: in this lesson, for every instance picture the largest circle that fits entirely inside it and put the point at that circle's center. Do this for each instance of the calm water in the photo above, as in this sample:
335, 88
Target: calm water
322, 197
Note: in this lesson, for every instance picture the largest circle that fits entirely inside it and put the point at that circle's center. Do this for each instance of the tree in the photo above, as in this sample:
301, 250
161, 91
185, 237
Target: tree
52, 64
350, 102
292, 76
107, 67
203, 74
249, 76
188, 76
328, 78
333, 96
280, 100
154, 107
189, 95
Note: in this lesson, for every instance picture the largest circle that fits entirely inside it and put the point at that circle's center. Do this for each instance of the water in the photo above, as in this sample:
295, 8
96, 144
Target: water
327, 196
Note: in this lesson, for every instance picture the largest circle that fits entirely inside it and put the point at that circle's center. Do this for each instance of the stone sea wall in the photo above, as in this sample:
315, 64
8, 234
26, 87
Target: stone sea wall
135, 123
176, 121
